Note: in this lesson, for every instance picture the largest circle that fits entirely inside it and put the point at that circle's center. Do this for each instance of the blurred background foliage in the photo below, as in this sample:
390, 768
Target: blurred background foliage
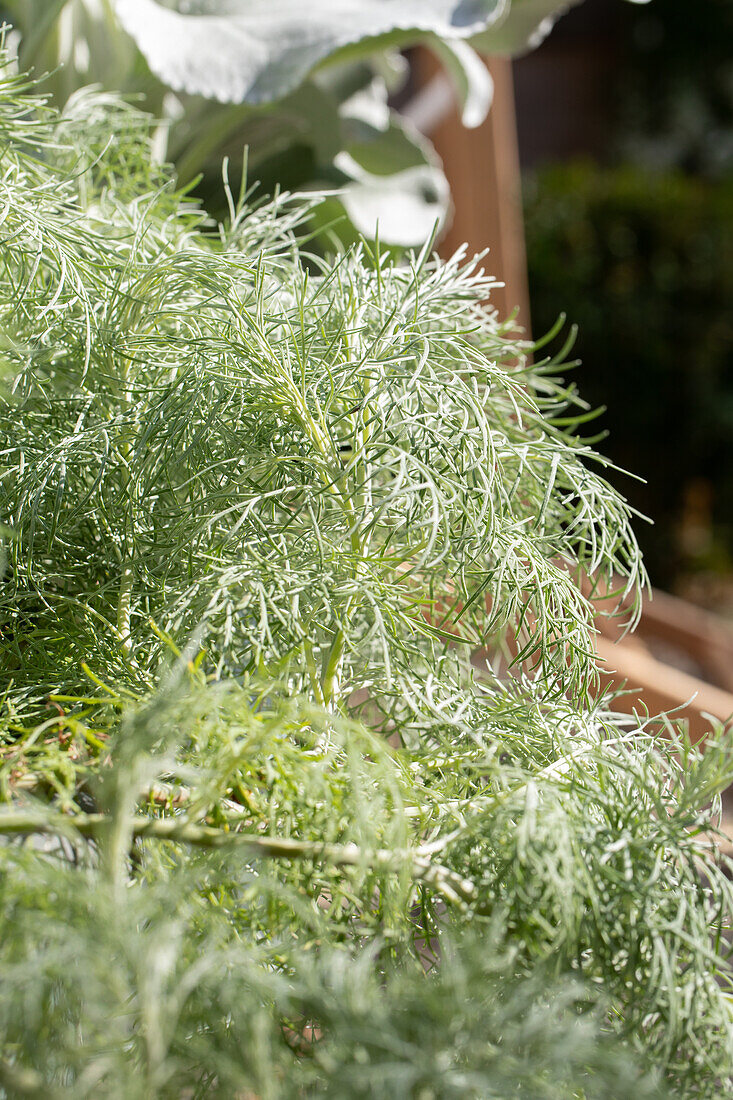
629, 220
643, 262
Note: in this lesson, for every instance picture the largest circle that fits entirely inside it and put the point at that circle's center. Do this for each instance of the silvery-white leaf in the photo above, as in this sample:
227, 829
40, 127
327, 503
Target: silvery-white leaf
257, 50
471, 78
403, 208
395, 183
522, 27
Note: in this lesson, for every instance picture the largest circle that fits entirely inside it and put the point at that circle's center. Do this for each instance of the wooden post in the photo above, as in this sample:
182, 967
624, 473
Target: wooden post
482, 167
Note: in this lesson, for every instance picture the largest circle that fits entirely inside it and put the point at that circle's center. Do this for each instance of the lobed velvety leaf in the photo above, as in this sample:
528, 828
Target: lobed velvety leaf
254, 50
522, 26
394, 184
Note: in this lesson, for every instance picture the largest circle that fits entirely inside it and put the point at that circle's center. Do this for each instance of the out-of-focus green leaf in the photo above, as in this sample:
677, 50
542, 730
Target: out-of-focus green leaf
73, 43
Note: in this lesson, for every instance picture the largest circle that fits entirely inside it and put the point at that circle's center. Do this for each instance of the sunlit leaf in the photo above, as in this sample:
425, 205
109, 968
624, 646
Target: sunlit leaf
523, 25
396, 187
254, 50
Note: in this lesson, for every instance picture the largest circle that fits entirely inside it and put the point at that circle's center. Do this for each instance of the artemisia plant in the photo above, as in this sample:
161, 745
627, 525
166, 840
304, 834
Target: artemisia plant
264, 832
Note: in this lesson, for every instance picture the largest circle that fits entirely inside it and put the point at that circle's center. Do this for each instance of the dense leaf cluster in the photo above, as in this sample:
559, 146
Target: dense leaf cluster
264, 831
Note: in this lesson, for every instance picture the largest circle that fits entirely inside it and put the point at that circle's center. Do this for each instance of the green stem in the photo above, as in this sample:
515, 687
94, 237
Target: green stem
332, 666
452, 886
124, 599
335, 656
123, 608
313, 672
330, 680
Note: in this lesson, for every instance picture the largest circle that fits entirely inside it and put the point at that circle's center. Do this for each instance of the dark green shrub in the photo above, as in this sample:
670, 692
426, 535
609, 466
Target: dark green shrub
644, 264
